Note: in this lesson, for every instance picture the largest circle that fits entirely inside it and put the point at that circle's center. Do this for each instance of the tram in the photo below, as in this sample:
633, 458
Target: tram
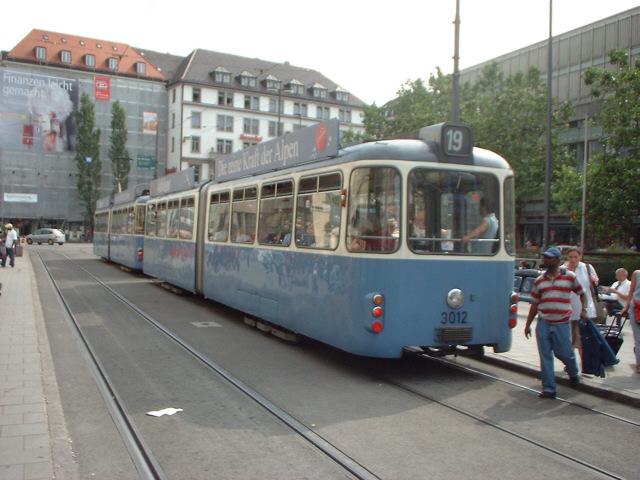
371, 248
119, 228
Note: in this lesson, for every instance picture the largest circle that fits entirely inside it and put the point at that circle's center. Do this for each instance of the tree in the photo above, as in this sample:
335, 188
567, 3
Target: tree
88, 164
613, 175
120, 160
508, 116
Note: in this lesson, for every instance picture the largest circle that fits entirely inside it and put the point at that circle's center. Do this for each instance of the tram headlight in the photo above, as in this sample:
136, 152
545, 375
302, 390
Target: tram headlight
455, 298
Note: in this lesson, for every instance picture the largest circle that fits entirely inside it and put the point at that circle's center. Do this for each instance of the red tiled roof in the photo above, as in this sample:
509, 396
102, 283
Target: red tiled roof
79, 48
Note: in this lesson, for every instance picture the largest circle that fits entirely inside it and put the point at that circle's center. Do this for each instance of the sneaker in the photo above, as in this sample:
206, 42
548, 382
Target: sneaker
574, 381
550, 395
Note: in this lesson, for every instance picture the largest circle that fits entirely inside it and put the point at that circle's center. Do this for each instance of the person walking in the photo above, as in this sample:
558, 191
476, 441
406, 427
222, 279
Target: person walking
632, 308
10, 245
551, 301
587, 276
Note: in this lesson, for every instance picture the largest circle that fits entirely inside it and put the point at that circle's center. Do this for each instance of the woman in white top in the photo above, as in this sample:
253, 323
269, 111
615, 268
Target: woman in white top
586, 276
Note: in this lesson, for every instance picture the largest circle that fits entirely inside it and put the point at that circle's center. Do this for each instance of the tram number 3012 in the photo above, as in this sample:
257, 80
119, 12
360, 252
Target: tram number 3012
453, 317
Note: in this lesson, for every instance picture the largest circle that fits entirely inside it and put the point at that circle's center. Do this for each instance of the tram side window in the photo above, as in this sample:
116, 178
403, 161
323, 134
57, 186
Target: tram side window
319, 211
218, 229
187, 210
452, 212
243, 215
276, 213
173, 219
139, 220
100, 223
374, 210
161, 220
510, 216
151, 220
115, 222
130, 220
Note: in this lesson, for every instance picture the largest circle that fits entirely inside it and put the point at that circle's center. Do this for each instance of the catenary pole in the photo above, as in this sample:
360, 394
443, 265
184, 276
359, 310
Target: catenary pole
456, 73
547, 169
585, 158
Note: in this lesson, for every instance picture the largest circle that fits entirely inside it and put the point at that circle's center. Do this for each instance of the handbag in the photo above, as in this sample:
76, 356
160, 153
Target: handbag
601, 311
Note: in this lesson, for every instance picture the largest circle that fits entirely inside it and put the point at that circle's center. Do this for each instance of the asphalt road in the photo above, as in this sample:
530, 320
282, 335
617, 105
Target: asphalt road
384, 414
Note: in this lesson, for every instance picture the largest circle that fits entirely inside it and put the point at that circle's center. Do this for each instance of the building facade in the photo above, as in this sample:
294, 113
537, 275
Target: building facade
572, 54
220, 103
41, 82
181, 112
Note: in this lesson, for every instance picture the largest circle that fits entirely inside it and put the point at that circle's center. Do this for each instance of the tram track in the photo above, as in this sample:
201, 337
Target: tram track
146, 465
338, 455
127, 428
508, 431
474, 371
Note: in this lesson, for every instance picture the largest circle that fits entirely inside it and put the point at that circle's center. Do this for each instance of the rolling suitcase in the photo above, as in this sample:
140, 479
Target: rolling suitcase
613, 333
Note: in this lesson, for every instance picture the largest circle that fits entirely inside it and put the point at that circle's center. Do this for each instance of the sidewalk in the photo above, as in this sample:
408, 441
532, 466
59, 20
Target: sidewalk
621, 382
29, 403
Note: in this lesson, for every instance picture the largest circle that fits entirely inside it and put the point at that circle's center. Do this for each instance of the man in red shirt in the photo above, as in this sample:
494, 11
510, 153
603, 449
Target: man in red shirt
551, 301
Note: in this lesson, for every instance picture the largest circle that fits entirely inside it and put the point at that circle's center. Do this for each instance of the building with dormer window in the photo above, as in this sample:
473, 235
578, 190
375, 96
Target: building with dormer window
242, 101
181, 112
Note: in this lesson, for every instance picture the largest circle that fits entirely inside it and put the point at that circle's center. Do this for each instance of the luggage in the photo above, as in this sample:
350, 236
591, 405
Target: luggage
613, 333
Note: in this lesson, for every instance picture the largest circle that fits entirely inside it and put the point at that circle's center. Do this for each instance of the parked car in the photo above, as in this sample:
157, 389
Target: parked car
523, 282
48, 235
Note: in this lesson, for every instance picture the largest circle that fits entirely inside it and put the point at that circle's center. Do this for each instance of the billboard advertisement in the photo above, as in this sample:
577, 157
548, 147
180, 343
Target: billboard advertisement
102, 88
36, 112
149, 123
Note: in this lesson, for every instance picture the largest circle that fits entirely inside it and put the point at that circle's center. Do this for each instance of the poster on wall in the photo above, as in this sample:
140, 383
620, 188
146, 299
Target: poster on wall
102, 88
36, 112
149, 123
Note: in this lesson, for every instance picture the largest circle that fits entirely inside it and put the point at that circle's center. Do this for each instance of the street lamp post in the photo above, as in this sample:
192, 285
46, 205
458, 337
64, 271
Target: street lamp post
547, 169
585, 158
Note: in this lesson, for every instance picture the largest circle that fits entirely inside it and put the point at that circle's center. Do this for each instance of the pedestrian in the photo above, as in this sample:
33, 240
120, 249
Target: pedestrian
632, 308
551, 301
587, 277
10, 246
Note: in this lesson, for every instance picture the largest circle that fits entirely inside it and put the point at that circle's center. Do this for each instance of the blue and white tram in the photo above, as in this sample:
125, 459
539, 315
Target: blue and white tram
101, 223
126, 239
170, 238
390, 244
119, 229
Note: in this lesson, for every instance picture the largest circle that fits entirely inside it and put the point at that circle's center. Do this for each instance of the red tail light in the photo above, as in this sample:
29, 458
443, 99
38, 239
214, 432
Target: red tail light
514, 308
513, 322
377, 312
140, 255
376, 327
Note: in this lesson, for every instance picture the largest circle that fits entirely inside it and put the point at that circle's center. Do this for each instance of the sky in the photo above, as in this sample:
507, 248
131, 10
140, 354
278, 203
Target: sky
368, 47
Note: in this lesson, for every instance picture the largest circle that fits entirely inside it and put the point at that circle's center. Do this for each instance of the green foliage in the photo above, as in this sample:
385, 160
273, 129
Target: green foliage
614, 175
508, 116
88, 146
120, 160
567, 191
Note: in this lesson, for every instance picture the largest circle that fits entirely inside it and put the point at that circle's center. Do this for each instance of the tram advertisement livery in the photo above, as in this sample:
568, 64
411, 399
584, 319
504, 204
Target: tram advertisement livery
302, 146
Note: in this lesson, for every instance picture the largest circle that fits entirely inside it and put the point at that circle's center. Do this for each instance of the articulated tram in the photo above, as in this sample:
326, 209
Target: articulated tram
371, 249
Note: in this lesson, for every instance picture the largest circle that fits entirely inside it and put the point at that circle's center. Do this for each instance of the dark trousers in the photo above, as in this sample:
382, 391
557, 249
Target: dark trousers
11, 253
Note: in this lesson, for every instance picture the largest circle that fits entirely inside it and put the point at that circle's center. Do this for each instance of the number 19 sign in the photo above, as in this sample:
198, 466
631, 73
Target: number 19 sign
454, 139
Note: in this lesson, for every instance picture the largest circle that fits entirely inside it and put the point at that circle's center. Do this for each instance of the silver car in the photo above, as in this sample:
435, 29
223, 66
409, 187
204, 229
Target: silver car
48, 235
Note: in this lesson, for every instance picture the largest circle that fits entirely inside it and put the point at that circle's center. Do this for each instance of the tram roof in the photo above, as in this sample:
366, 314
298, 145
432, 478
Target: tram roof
416, 151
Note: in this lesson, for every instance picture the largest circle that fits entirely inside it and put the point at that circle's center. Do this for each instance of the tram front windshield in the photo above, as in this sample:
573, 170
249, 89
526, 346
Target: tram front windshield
453, 213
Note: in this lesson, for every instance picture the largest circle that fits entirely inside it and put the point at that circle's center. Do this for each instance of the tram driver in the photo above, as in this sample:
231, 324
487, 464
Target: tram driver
485, 232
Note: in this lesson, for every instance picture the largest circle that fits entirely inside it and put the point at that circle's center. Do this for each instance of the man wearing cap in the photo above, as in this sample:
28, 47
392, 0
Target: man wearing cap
551, 301
9, 243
